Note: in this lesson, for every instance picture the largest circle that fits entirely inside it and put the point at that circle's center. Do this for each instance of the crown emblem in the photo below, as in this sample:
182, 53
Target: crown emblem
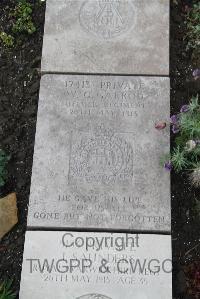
101, 130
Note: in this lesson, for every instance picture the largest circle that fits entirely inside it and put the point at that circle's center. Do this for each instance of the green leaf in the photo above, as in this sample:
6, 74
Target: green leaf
193, 27
179, 159
190, 124
5, 290
181, 140
194, 104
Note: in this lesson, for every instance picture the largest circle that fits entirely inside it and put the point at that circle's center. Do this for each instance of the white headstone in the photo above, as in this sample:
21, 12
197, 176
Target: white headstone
107, 36
97, 154
74, 265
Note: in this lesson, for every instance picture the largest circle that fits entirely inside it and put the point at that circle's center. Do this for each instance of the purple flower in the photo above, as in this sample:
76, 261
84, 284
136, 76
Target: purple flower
196, 74
184, 108
175, 129
174, 119
168, 165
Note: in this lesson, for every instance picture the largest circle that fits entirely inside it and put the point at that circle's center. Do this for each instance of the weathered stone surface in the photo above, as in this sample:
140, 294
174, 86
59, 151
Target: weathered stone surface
8, 213
97, 153
97, 36
96, 266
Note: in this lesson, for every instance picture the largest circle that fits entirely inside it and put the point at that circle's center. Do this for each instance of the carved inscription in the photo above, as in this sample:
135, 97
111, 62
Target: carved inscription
107, 18
124, 99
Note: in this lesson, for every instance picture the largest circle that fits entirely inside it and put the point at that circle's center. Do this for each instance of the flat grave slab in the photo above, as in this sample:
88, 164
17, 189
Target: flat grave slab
107, 36
97, 154
76, 265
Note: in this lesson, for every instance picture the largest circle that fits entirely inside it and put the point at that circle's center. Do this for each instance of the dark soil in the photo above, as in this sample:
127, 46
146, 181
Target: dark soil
19, 87
185, 219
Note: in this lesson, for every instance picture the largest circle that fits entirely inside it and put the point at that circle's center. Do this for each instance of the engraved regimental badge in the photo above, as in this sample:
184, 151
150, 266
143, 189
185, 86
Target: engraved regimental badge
93, 296
101, 156
107, 18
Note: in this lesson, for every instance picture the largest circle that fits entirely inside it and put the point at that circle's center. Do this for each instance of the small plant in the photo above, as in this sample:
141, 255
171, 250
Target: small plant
5, 290
193, 27
179, 159
3, 163
23, 18
22, 23
186, 153
7, 39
